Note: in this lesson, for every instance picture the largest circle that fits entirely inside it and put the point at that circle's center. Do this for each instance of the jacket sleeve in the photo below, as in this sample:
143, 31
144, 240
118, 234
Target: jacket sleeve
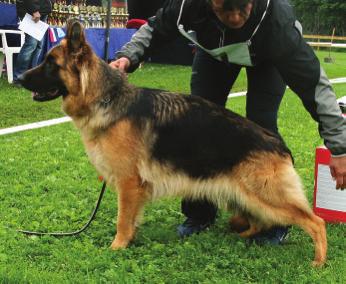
159, 29
138, 46
332, 124
302, 71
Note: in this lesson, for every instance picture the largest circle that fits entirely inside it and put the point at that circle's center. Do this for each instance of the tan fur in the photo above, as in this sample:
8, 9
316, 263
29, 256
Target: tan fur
264, 186
239, 223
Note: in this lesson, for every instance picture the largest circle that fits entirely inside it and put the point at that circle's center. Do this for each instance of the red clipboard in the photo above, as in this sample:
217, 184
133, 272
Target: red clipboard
329, 203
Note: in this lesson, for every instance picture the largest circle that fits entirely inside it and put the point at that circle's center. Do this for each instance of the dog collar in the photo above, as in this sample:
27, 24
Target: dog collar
105, 102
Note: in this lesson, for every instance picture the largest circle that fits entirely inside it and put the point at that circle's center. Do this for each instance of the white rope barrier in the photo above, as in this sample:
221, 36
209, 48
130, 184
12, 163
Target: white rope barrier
55, 121
333, 81
34, 125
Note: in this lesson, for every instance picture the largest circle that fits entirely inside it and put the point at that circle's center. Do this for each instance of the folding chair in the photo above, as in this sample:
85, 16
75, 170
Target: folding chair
8, 51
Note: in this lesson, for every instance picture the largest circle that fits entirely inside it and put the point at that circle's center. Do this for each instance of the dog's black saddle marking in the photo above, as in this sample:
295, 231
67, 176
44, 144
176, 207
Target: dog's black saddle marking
203, 139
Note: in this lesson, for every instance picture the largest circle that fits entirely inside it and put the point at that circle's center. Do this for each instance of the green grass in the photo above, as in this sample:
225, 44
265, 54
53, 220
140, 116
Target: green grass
47, 183
18, 108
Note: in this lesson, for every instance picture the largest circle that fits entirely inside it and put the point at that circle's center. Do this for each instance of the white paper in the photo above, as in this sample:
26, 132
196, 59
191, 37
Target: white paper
327, 196
36, 30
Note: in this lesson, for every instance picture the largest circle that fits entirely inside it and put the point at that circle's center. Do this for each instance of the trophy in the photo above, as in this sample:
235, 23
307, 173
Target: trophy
90, 16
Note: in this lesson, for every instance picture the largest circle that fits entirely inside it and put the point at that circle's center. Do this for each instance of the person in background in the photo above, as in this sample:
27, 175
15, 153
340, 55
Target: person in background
31, 49
264, 37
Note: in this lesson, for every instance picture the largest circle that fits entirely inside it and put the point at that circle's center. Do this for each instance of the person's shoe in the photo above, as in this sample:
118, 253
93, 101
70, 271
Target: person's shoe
192, 226
273, 236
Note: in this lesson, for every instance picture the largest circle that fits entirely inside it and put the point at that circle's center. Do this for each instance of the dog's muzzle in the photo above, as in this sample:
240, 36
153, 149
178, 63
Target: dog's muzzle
46, 96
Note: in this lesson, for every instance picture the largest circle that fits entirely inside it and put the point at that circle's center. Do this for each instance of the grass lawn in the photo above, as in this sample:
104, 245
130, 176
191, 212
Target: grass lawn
47, 183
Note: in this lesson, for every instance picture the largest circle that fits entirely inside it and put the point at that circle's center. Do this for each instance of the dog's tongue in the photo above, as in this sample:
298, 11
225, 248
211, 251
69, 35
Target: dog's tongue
33, 94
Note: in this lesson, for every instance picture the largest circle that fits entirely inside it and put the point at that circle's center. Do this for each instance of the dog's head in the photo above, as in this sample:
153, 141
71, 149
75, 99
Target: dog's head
61, 72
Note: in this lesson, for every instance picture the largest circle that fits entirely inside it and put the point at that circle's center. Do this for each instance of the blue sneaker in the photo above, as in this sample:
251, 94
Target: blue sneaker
192, 226
274, 236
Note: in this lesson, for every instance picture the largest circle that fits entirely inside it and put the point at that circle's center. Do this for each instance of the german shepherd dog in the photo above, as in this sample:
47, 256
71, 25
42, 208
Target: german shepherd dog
151, 143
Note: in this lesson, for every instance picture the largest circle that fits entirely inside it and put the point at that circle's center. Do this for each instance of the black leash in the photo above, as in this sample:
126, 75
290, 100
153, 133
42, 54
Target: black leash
63, 234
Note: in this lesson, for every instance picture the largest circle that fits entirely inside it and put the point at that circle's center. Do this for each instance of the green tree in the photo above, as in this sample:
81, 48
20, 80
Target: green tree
321, 16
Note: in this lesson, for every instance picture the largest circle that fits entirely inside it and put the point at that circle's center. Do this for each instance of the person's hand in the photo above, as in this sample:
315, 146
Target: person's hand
338, 171
122, 64
36, 16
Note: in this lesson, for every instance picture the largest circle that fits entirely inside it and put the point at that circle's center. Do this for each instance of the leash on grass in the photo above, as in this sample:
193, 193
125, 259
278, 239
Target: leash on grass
64, 234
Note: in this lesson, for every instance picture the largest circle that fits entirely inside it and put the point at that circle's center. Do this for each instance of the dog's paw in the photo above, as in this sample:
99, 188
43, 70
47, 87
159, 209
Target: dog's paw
318, 263
119, 244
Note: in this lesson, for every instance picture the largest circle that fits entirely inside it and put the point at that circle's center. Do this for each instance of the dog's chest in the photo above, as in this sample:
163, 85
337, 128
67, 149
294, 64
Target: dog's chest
114, 153
97, 157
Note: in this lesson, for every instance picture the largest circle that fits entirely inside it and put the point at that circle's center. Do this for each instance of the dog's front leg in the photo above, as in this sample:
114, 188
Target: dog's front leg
132, 195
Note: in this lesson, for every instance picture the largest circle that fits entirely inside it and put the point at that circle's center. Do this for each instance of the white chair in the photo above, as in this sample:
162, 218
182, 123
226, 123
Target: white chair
7, 52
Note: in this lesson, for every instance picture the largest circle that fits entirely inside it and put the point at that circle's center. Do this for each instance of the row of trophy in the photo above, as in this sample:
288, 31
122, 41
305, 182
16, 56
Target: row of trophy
90, 16
8, 1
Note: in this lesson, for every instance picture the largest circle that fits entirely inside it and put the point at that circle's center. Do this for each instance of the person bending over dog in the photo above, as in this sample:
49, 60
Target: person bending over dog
263, 36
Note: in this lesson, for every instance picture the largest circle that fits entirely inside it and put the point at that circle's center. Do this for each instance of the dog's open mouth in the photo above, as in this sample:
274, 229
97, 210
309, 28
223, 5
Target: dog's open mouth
47, 96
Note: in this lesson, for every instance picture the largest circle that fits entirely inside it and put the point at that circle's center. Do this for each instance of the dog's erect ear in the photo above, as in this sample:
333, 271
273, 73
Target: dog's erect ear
75, 35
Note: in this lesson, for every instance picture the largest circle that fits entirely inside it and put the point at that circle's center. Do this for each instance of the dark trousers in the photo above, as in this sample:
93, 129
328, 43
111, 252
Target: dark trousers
29, 54
213, 81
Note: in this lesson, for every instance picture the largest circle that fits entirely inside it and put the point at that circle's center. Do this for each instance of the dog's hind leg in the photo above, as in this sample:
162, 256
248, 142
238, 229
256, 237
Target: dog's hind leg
315, 227
274, 196
295, 212
132, 195
245, 225
254, 228
239, 223
304, 217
